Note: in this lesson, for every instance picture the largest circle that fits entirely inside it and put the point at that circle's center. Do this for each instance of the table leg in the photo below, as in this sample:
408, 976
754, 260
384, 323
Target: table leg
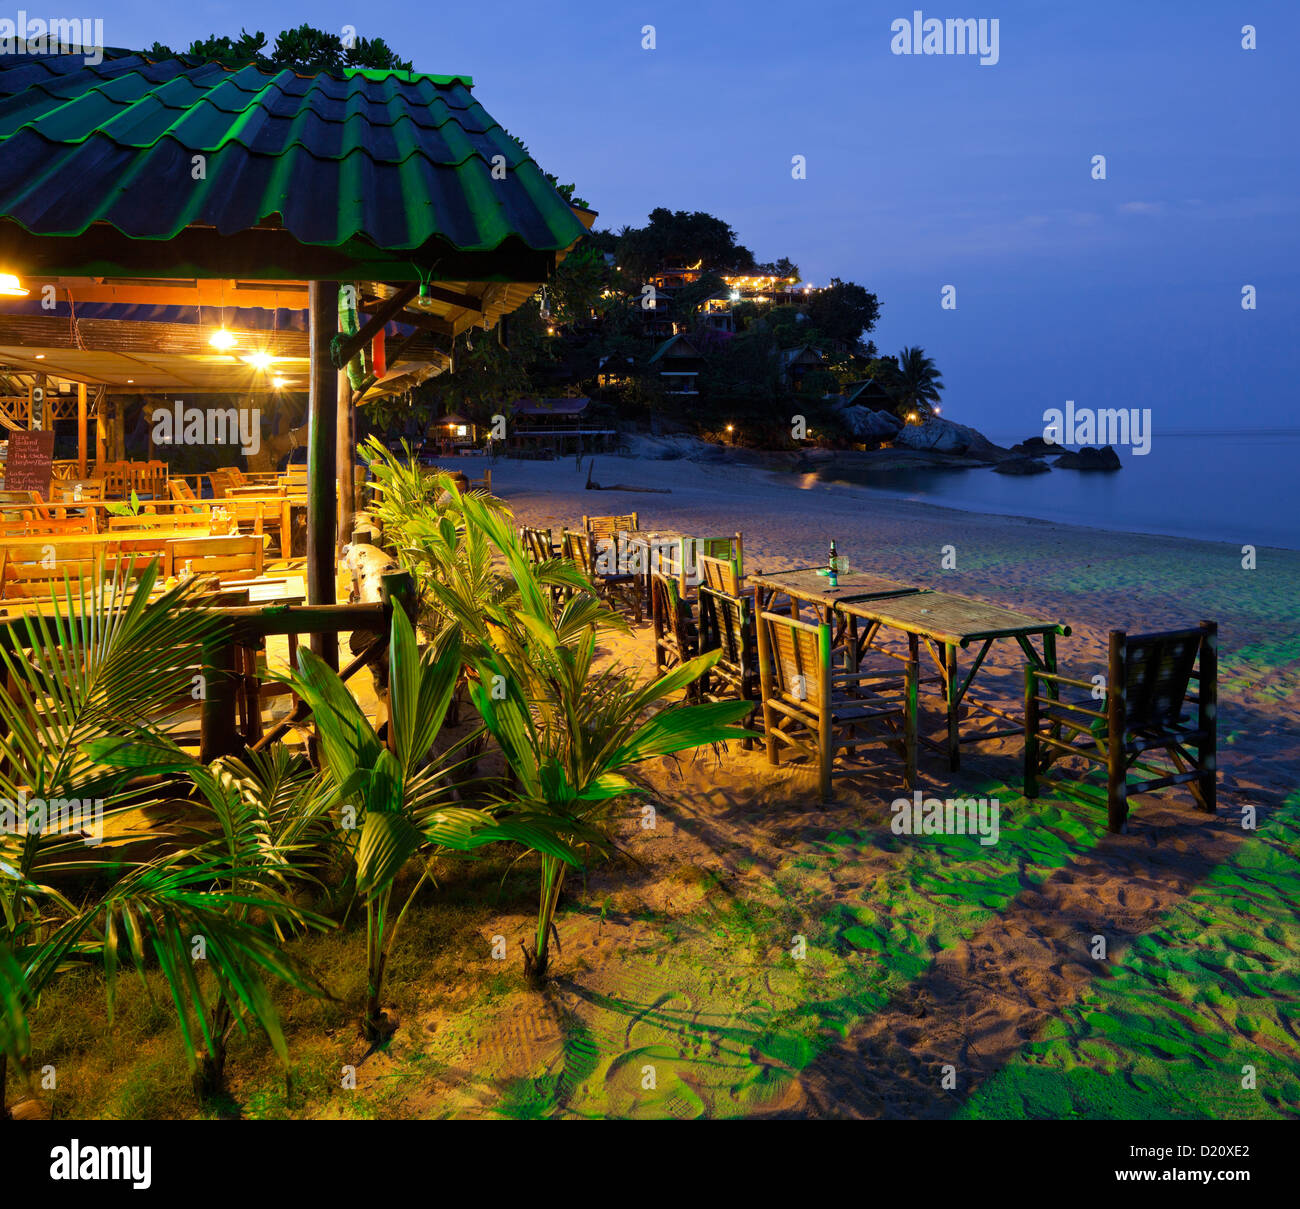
951, 688
1053, 688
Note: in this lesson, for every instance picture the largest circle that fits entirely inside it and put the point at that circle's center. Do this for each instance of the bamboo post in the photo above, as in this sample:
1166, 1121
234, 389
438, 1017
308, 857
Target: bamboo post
1116, 776
765, 678
1031, 731
951, 686
219, 734
825, 722
81, 430
322, 449
345, 456
1207, 715
909, 722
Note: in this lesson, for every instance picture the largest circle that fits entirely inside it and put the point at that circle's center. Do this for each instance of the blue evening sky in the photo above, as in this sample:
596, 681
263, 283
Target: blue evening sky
925, 171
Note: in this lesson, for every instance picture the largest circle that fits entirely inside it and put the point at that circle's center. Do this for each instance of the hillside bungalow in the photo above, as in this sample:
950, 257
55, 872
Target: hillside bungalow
796, 362
679, 363
870, 393
547, 427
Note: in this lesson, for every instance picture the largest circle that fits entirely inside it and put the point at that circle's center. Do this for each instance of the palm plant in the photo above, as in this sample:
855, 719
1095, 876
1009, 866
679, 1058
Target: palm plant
916, 385
262, 825
109, 665
397, 800
569, 732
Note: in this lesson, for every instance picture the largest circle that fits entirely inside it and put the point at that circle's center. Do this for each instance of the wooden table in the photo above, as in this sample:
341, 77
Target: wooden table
812, 586
946, 623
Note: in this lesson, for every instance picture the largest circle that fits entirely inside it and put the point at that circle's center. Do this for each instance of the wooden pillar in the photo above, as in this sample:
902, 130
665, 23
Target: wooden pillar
81, 430
101, 427
347, 481
322, 458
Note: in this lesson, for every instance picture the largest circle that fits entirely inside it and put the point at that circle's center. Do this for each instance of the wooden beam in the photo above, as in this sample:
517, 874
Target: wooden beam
322, 458
347, 347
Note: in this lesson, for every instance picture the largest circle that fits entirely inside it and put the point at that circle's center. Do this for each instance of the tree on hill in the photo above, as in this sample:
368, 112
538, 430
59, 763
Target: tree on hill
306, 49
678, 238
844, 311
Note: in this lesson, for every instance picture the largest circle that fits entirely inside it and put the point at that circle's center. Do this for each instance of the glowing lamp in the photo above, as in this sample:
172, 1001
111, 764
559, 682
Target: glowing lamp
11, 287
261, 361
222, 340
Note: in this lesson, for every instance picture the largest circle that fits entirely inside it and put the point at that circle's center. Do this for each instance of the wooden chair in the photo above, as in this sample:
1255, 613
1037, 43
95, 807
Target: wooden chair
676, 635
609, 527
727, 624
91, 489
23, 578
720, 574
820, 712
1144, 716
483, 484
151, 480
238, 556
181, 491
539, 544
222, 481
615, 587
117, 479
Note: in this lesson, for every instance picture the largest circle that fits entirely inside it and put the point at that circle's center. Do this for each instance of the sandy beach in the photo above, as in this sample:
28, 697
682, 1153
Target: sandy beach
924, 957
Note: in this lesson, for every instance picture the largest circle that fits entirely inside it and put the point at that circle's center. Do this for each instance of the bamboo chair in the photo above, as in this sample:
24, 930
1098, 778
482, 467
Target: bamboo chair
539, 544
237, 556
820, 712
609, 527
721, 574
676, 635
727, 624
616, 588
1144, 715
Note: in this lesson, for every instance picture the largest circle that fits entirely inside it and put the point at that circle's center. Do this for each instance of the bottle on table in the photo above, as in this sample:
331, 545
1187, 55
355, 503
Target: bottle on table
833, 566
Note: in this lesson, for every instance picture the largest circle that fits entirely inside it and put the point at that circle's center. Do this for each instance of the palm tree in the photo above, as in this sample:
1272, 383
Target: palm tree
570, 733
109, 664
397, 800
916, 385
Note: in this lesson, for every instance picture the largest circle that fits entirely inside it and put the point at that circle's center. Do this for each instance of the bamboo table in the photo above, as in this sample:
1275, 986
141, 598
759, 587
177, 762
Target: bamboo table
650, 541
947, 623
811, 586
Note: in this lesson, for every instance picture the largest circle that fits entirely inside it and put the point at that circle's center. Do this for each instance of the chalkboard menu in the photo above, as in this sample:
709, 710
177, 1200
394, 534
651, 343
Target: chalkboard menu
28, 467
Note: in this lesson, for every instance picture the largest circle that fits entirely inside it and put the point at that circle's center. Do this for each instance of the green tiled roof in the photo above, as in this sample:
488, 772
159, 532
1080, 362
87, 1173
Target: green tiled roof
400, 161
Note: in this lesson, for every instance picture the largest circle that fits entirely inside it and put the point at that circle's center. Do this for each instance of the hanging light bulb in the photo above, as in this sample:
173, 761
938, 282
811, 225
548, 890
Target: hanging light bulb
222, 340
11, 287
260, 360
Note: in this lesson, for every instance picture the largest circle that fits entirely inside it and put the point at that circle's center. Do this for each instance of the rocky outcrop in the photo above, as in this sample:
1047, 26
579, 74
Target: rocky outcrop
1089, 459
869, 424
1022, 466
937, 435
1035, 447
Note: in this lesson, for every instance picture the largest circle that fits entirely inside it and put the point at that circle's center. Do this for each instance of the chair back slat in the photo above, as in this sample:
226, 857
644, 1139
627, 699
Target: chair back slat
609, 527
800, 657
1158, 668
539, 544
724, 625
577, 547
720, 574
237, 556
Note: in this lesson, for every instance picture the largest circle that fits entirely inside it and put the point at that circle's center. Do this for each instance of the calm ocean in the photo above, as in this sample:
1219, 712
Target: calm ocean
1239, 487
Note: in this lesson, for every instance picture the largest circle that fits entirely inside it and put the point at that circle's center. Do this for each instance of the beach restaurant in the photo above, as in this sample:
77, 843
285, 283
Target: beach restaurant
179, 229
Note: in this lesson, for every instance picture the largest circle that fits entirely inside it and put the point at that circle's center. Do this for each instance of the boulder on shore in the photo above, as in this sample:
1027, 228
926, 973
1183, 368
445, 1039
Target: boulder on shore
870, 424
1022, 466
937, 435
1089, 459
1035, 447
